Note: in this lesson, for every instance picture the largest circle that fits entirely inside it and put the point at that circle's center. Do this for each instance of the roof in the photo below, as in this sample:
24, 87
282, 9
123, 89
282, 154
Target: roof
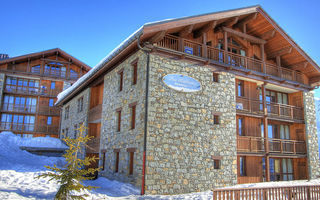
47, 52
152, 28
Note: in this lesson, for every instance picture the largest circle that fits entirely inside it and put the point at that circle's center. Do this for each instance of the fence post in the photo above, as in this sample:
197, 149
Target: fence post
308, 193
264, 194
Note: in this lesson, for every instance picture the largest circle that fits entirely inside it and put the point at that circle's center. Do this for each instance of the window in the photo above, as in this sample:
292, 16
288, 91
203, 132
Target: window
133, 115
241, 126
134, 72
116, 160
67, 132
103, 159
49, 121
216, 119
242, 166
240, 89
66, 112
80, 104
118, 119
131, 159
17, 122
216, 162
215, 77
22, 85
51, 102
35, 69
53, 85
75, 131
19, 104
120, 80
73, 74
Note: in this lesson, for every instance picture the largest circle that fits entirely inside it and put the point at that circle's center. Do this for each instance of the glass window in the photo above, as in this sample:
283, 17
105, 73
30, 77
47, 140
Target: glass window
241, 88
53, 85
49, 121
240, 126
51, 101
242, 166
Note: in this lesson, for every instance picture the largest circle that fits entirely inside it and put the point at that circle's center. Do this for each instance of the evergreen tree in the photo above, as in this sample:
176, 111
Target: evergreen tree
73, 173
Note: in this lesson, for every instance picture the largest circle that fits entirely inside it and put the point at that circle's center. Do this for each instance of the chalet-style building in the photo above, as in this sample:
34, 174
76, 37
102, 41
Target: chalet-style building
200, 102
29, 85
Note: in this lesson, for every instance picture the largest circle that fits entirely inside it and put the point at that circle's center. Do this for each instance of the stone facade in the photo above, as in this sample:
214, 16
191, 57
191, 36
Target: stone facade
311, 135
2, 81
126, 138
182, 136
75, 117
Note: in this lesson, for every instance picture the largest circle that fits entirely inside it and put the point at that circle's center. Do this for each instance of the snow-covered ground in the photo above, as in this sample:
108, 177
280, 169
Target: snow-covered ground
19, 170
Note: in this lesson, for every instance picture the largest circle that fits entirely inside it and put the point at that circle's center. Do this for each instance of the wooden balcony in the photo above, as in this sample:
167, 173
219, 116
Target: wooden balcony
228, 58
249, 144
95, 114
20, 127
17, 108
47, 110
31, 91
276, 110
93, 145
280, 146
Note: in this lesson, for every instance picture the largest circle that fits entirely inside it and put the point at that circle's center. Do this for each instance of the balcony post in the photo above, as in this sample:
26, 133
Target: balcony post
263, 59
225, 47
278, 59
265, 130
204, 45
180, 44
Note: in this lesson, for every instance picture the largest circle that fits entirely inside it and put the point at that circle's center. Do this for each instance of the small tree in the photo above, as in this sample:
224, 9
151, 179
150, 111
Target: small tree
73, 173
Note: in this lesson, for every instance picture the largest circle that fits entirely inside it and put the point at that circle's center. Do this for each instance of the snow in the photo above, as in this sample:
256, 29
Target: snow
19, 170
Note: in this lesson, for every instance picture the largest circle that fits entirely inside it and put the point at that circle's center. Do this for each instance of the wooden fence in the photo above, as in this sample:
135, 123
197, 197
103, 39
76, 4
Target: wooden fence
311, 192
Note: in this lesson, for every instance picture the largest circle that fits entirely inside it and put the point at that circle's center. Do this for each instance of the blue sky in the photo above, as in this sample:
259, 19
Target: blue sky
89, 30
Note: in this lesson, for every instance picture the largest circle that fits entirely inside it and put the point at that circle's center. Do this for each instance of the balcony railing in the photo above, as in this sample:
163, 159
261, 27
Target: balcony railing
93, 145
20, 127
10, 107
31, 91
47, 110
235, 60
254, 106
95, 113
249, 144
287, 146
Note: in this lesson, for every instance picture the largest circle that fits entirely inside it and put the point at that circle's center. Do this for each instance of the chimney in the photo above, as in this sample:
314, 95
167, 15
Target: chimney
4, 56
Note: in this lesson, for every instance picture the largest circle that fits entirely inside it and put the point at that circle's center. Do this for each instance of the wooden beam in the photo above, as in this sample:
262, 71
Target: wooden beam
245, 20
314, 80
186, 31
210, 26
280, 52
230, 22
157, 37
298, 66
250, 38
268, 35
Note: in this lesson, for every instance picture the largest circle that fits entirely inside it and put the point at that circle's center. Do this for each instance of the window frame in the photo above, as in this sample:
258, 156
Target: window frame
118, 119
134, 65
121, 76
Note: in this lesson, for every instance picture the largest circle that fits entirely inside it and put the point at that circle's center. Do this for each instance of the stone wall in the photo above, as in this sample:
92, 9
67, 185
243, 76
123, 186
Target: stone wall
75, 118
127, 138
2, 81
311, 135
182, 136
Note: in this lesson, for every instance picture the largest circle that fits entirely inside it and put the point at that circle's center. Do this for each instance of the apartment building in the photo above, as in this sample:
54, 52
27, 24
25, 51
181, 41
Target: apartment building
29, 85
200, 102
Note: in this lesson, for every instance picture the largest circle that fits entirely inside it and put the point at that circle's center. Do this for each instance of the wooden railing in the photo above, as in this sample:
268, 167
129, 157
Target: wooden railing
249, 105
47, 110
95, 113
31, 90
305, 192
20, 127
10, 107
235, 60
250, 144
255, 106
285, 111
283, 146
93, 145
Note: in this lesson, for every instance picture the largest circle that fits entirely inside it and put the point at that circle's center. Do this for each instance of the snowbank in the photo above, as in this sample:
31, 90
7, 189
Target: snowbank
12, 157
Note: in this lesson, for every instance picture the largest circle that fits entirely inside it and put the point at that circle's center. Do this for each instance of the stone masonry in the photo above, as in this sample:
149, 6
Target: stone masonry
75, 117
311, 135
182, 135
114, 99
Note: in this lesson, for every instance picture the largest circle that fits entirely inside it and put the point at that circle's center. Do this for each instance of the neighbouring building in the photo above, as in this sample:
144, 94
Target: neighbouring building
200, 102
29, 85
